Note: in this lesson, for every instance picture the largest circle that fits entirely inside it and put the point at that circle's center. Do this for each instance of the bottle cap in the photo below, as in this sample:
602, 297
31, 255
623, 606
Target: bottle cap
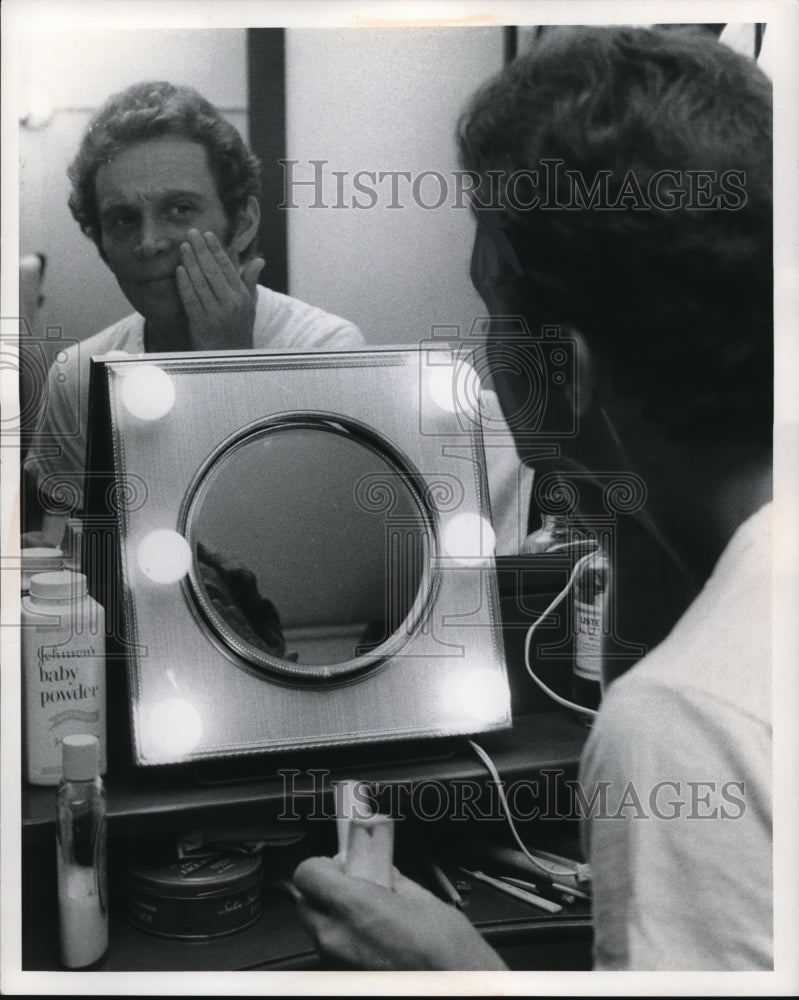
80, 757
38, 560
59, 586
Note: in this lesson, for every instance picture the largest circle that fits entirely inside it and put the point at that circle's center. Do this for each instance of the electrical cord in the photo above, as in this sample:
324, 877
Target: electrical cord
580, 871
547, 690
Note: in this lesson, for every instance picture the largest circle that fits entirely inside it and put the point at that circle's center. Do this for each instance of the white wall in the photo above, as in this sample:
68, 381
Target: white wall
383, 100
75, 72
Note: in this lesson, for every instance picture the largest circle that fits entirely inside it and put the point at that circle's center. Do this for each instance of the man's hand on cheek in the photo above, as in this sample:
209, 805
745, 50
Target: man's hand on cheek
219, 300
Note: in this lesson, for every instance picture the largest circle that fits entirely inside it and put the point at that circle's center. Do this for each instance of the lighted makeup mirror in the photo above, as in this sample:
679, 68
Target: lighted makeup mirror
305, 555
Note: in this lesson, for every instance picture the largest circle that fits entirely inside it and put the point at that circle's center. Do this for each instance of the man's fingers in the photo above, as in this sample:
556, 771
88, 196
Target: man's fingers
404, 886
329, 936
215, 261
321, 881
212, 273
327, 887
251, 272
188, 295
194, 274
203, 269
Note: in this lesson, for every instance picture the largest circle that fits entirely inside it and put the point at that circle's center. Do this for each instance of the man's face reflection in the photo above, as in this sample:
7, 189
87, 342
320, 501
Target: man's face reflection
149, 196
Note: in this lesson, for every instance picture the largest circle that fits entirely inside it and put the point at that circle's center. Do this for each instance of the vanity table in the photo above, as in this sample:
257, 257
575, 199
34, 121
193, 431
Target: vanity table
528, 938
385, 673
542, 743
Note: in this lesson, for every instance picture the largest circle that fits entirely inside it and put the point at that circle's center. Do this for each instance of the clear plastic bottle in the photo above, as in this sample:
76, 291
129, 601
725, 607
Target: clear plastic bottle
591, 587
81, 854
63, 672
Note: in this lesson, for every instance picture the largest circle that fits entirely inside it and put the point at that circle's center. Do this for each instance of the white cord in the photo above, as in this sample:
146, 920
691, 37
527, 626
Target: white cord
547, 690
579, 871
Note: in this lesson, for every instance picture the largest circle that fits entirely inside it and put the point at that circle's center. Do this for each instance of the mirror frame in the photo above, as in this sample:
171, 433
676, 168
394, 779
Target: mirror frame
444, 676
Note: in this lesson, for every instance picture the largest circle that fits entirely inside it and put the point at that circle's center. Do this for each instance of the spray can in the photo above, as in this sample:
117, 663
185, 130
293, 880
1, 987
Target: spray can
591, 586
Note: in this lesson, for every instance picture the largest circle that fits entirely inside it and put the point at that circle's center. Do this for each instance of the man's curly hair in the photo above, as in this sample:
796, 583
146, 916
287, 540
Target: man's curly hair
678, 300
149, 110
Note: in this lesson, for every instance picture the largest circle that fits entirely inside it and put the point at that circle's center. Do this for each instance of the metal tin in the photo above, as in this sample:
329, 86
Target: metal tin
197, 897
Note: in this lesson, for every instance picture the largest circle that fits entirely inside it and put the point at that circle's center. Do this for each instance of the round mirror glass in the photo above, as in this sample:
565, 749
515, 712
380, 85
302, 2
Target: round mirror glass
312, 548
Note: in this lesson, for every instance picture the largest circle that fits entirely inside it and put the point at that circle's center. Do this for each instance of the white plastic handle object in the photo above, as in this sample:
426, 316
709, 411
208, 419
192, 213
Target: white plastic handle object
370, 848
351, 801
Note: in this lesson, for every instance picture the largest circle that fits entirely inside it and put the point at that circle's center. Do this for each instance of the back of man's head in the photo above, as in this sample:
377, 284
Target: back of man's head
150, 110
635, 206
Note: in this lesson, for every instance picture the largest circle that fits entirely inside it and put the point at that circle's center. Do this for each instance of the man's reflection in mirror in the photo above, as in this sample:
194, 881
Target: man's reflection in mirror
168, 191
233, 591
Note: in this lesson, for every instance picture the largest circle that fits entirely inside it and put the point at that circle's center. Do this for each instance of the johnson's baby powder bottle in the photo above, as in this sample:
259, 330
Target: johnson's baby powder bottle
63, 672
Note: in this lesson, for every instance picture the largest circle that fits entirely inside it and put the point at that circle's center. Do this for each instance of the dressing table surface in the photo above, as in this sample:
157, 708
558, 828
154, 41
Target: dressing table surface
143, 803
144, 798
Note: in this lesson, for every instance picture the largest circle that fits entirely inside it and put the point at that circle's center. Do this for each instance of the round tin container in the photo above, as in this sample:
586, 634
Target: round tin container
196, 897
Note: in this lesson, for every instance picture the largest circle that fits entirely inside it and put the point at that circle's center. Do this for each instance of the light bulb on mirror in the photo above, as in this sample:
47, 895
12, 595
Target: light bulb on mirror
164, 556
455, 388
147, 393
477, 696
172, 728
469, 539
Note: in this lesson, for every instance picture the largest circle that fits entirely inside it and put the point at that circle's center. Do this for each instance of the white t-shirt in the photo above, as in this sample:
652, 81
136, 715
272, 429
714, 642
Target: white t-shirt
680, 838
58, 455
